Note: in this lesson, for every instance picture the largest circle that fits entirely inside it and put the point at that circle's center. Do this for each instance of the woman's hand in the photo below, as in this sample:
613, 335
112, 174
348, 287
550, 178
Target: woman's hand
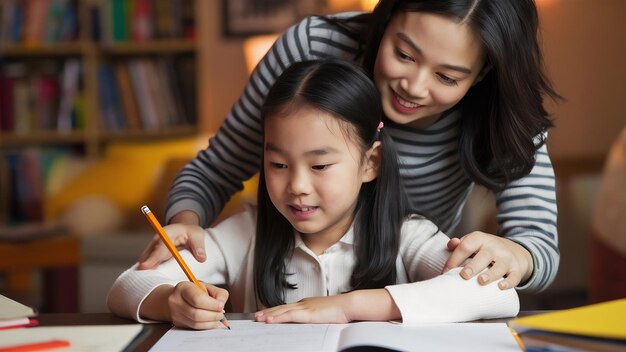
313, 310
503, 257
375, 304
186, 236
186, 306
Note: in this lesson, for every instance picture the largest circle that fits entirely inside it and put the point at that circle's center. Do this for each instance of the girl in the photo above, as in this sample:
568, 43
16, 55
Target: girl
461, 83
332, 218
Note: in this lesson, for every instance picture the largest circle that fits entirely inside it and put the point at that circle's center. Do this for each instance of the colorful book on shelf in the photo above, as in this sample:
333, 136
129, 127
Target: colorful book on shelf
110, 105
70, 86
14, 314
127, 97
120, 20
141, 24
7, 111
17, 22
35, 18
600, 325
140, 89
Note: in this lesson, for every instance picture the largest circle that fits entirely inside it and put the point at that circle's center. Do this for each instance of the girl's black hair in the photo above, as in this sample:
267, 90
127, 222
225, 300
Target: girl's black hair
347, 93
504, 120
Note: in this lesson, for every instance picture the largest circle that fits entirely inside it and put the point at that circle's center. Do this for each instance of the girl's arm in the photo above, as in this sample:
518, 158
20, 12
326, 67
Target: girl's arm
375, 304
133, 287
226, 247
431, 297
450, 298
443, 299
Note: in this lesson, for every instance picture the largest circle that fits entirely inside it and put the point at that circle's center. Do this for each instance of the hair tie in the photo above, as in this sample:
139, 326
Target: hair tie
380, 127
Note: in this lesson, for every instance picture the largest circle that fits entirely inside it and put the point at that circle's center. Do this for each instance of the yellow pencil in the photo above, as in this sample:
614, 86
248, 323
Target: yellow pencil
517, 338
170, 246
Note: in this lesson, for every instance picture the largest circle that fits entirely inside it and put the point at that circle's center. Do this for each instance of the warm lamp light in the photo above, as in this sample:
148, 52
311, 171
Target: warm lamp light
351, 5
368, 5
254, 48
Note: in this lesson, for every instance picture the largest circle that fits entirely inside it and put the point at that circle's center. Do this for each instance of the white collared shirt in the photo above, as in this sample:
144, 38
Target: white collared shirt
425, 295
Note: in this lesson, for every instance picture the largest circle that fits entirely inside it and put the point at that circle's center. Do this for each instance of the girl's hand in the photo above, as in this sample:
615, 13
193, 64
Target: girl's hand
374, 304
186, 305
192, 308
503, 257
313, 310
186, 236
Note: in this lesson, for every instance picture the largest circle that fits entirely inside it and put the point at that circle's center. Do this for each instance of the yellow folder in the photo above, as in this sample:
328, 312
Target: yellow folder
605, 320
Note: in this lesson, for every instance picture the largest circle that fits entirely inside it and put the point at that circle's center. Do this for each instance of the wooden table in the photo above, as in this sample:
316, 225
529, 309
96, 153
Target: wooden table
146, 342
58, 258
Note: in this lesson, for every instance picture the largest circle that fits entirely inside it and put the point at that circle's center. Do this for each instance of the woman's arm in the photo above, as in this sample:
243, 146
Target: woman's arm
528, 250
206, 183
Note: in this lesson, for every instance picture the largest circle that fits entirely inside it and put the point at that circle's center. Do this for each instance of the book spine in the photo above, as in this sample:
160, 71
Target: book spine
127, 97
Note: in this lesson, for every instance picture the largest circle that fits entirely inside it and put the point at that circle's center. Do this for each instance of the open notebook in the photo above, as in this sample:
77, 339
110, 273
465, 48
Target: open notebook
250, 336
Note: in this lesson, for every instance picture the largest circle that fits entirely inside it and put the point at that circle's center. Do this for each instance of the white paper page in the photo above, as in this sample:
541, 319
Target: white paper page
465, 337
10, 309
92, 338
246, 335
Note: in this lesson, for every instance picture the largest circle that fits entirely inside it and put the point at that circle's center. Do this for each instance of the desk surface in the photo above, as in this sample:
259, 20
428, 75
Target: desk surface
155, 333
156, 330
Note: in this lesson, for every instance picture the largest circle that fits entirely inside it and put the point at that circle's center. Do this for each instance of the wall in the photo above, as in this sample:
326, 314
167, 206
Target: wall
584, 45
225, 75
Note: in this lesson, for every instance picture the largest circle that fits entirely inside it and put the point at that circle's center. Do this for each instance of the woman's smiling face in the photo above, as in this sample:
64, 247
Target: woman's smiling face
425, 65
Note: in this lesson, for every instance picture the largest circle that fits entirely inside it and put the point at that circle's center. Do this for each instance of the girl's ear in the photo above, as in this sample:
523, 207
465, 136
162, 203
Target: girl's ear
372, 162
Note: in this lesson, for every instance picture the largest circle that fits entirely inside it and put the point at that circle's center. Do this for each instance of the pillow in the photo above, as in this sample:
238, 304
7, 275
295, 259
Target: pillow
124, 175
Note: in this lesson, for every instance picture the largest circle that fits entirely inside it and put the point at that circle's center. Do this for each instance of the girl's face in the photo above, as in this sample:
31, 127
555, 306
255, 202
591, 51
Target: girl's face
313, 173
425, 65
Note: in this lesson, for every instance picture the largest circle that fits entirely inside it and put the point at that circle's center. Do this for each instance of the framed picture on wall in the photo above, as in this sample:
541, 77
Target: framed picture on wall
242, 18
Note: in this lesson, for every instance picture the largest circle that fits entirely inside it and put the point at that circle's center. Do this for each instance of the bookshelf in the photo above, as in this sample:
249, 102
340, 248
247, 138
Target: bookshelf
76, 75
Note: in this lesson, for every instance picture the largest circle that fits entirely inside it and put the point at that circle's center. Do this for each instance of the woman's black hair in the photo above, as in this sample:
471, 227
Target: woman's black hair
503, 118
344, 91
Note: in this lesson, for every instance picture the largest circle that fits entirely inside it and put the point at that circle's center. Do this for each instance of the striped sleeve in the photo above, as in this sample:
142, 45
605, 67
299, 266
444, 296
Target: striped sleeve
527, 214
206, 183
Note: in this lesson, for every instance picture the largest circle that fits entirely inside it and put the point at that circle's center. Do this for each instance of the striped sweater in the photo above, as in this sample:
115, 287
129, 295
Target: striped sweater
434, 178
